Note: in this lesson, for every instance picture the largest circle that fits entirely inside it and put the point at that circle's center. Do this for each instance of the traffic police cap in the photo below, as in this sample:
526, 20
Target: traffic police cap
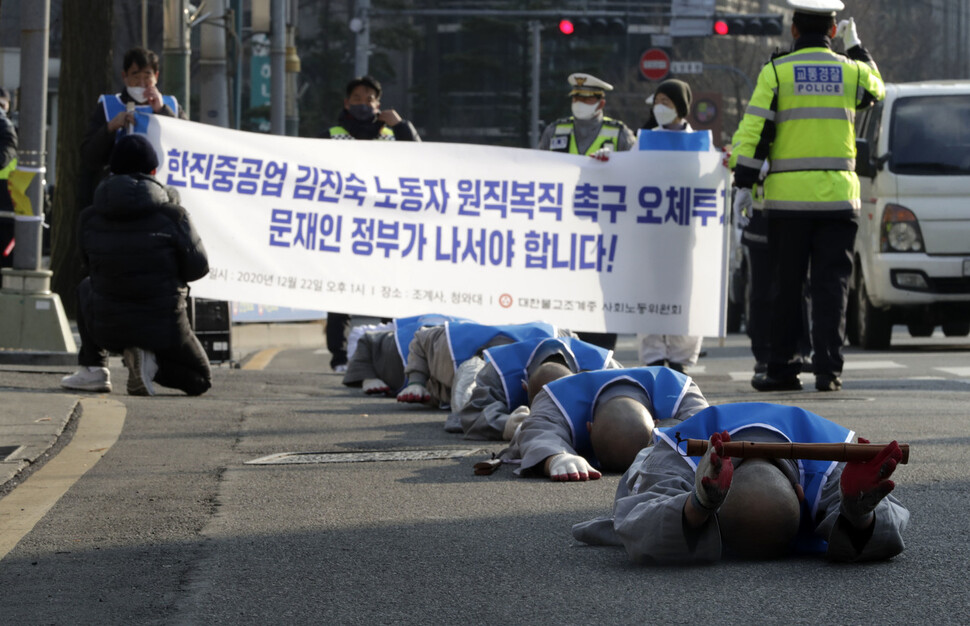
818, 7
588, 85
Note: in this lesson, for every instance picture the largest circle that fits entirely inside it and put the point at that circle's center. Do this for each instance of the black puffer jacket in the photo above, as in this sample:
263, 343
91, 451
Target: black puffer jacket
141, 250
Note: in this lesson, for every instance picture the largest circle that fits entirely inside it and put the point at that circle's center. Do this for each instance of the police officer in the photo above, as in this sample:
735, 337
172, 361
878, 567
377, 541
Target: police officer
801, 118
588, 131
361, 118
8, 163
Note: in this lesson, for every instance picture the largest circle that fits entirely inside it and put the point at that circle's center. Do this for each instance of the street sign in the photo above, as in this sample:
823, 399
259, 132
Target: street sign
686, 67
654, 64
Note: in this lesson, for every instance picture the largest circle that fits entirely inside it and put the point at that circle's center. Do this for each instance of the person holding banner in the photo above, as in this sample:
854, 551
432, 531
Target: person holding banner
361, 118
582, 425
512, 376
588, 131
115, 115
670, 106
671, 508
8, 163
141, 251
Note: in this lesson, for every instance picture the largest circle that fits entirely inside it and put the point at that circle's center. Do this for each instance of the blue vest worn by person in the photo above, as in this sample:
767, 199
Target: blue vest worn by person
113, 105
405, 327
466, 339
794, 424
513, 360
577, 395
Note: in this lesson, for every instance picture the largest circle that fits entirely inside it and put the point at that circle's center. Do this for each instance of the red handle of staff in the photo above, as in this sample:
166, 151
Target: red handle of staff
809, 451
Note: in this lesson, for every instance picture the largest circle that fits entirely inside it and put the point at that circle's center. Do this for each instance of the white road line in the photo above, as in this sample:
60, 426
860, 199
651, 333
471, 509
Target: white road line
871, 365
100, 424
962, 372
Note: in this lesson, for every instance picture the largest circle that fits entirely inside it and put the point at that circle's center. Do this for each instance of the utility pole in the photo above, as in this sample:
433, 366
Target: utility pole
33, 317
175, 53
360, 25
292, 74
277, 53
214, 96
535, 29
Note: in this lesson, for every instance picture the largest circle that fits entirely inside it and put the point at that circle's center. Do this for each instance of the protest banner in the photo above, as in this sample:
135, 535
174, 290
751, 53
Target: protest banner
498, 235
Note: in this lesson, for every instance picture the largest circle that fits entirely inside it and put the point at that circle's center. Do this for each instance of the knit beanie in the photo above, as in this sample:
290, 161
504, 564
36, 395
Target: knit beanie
679, 92
133, 154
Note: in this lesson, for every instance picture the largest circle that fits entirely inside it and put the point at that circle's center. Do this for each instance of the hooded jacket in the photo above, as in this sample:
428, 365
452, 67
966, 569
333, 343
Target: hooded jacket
140, 250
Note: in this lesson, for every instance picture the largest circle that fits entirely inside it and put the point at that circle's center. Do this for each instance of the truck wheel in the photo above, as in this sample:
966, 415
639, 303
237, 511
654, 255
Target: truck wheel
873, 327
920, 329
956, 329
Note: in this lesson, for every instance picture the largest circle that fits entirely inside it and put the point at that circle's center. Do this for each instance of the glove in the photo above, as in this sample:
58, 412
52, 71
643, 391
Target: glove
414, 393
846, 30
515, 418
603, 154
375, 386
742, 206
713, 477
864, 484
569, 467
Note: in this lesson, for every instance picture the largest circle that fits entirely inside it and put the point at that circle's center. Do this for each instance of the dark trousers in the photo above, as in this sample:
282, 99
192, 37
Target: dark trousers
338, 324
823, 246
758, 321
183, 366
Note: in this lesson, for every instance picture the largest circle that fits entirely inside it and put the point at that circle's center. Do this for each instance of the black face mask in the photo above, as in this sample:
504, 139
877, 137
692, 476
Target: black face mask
362, 112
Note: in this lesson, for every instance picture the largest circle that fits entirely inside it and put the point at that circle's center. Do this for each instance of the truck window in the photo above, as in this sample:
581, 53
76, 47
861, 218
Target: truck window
929, 136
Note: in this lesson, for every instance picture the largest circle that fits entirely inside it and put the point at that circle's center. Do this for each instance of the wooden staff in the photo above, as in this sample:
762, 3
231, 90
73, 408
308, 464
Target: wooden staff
809, 451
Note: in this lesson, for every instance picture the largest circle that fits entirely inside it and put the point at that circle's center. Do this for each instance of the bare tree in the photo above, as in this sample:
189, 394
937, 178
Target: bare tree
87, 70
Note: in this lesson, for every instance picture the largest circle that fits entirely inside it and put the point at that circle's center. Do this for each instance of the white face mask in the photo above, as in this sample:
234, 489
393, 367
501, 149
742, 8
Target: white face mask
137, 93
664, 114
583, 111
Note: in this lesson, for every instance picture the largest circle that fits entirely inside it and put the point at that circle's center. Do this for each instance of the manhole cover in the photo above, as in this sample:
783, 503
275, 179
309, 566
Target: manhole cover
285, 458
6, 451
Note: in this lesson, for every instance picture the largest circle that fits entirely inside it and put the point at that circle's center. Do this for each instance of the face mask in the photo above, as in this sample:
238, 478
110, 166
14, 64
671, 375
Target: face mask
362, 112
664, 114
583, 111
137, 93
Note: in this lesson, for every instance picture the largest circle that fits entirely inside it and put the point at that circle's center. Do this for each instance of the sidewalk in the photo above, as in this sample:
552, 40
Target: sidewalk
31, 422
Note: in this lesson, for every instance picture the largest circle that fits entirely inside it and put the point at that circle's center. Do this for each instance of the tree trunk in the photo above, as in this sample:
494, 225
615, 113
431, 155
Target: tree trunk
87, 71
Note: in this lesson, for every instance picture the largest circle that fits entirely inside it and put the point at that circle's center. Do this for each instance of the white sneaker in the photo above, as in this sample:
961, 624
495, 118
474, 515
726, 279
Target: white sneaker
88, 378
142, 368
340, 369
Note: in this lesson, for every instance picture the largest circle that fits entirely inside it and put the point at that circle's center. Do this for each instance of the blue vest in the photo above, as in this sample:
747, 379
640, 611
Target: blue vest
513, 360
405, 327
466, 339
113, 105
794, 424
576, 396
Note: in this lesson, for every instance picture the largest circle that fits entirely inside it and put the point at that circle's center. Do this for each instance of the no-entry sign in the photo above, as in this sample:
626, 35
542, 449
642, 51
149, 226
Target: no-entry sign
654, 64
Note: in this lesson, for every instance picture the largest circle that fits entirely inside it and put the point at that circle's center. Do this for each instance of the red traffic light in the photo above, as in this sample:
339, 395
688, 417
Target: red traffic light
720, 27
566, 27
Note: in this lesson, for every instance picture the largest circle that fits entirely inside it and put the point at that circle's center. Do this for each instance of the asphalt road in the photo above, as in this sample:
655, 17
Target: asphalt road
175, 525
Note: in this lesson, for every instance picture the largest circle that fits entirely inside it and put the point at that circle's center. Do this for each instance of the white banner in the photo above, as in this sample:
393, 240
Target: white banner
498, 235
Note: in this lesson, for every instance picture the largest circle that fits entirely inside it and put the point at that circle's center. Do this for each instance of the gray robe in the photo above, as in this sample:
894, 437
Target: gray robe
546, 431
649, 507
376, 356
485, 415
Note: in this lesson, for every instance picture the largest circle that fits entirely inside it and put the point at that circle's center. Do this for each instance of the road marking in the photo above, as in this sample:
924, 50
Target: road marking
871, 365
100, 424
261, 359
962, 372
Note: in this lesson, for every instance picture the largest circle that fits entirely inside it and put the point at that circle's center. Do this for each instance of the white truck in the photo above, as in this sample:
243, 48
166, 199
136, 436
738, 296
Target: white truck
912, 254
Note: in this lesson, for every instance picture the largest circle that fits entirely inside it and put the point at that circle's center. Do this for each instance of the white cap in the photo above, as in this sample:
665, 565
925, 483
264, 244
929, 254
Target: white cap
821, 7
588, 85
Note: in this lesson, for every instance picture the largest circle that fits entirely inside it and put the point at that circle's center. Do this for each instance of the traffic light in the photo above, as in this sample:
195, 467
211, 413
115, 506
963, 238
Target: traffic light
759, 25
596, 26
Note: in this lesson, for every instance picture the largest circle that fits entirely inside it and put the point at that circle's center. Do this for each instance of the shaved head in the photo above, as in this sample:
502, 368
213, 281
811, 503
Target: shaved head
544, 374
621, 427
760, 515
